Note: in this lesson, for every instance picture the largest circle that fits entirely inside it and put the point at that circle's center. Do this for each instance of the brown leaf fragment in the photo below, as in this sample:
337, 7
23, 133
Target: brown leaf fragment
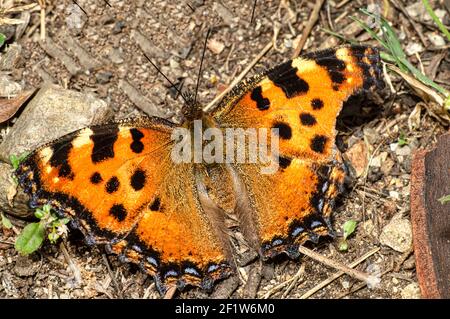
357, 156
9, 107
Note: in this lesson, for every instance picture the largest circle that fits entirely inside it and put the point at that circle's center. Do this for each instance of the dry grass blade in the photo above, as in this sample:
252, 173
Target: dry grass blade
329, 280
421, 88
290, 281
20, 8
367, 278
9, 107
311, 22
72, 265
10, 21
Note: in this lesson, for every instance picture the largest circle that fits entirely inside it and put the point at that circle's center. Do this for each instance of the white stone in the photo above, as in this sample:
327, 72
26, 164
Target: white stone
397, 234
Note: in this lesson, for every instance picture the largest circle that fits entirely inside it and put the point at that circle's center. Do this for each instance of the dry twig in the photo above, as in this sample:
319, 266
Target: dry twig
239, 78
311, 22
368, 279
329, 280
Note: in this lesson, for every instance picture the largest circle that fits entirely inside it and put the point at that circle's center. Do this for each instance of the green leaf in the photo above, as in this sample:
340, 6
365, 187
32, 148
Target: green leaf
30, 239
16, 160
6, 222
349, 227
2, 39
402, 140
39, 213
53, 237
444, 199
47, 208
436, 19
447, 103
343, 246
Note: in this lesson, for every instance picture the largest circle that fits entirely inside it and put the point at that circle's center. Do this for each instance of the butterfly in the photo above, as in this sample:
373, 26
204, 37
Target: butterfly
119, 185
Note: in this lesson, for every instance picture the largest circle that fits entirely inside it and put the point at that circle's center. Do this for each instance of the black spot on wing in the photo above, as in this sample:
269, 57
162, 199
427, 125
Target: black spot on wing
103, 143
96, 178
60, 158
112, 185
285, 77
316, 104
307, 119
318, 143
284, 162
284, 130
261, 103
119, 212
156, 205
138, 180
136, 146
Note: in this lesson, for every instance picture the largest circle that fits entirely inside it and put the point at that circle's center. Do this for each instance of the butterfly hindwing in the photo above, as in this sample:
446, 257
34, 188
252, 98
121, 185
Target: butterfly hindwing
302, 99
118, 185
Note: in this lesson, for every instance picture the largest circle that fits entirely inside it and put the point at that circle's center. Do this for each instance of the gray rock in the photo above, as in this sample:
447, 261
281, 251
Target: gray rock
116, 55
52, 113
8, 88
411, 291
118, 26
9, 60
103, 77
397, 234
13, 201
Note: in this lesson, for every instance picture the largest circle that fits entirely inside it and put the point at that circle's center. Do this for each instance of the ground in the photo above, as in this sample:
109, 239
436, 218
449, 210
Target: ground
115, 34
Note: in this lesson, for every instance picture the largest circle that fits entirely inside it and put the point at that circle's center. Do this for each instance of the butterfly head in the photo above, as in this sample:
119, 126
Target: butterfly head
192, 110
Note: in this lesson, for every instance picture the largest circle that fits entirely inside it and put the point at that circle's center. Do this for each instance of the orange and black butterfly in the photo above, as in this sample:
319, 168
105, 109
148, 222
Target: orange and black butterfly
118, 184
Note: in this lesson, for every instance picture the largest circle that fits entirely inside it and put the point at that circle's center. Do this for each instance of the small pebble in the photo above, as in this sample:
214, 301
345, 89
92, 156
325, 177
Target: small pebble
411, 291
436, 39
116, 55
413, 48
397, 234
118, 26
103, 77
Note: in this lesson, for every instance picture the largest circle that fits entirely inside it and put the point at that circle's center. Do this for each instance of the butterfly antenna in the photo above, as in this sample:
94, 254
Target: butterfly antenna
253, 12
201, 64
190, 7
167, 79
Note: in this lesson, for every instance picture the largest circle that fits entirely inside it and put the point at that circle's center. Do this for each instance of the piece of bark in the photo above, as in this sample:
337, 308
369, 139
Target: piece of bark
430, 181
56, 52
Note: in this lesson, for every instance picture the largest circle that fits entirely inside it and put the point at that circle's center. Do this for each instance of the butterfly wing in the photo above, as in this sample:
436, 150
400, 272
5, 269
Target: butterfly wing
118, 185
302, 99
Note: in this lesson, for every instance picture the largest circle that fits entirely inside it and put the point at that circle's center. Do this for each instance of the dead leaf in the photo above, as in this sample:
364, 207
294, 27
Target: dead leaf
215, 46
9, 107
357, 156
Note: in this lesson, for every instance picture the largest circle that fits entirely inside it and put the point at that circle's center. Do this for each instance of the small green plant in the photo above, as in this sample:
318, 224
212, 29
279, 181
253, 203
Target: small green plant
402, 140
6, 222
33, 235
16, 160
2, 39
444, 199
436, 19
394, 51
348, 229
